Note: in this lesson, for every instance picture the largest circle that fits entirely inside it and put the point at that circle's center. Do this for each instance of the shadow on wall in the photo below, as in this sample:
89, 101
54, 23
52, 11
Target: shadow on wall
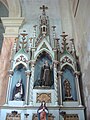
3, 13
1, 34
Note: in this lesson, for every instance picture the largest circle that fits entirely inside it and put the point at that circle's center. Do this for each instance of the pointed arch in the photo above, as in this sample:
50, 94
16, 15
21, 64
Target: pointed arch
67, 60
23, 63
68, 74
67, 64
13, 7
19, 74
50, 53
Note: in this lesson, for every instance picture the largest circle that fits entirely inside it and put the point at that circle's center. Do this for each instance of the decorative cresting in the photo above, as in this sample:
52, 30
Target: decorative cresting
50, 117
69, 116
14, 115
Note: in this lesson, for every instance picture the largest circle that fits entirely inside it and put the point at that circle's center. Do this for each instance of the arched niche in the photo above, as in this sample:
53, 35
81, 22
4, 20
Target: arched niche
19, 73
42, 57
3, 13
13, 6
68, 74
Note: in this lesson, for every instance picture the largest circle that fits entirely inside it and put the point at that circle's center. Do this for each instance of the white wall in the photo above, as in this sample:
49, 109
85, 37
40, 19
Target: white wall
82, 23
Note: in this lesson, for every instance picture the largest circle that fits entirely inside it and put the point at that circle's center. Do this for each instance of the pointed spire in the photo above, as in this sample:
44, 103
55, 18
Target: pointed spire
44, 22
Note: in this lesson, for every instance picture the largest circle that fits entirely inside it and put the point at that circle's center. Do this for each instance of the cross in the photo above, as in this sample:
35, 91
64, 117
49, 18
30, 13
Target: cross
44, 8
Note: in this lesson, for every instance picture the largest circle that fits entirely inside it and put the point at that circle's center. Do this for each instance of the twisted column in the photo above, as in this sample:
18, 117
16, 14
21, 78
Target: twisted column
9, 86
55, 82
27, 86
32, 82
60, 83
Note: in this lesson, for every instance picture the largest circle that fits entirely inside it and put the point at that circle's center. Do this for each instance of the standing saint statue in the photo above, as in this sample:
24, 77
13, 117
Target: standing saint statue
67, 88
46, 74
18, 91
43, 111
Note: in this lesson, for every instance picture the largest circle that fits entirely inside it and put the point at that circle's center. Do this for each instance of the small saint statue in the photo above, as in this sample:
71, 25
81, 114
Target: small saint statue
42, 112
46, 74
18, 91
67, 88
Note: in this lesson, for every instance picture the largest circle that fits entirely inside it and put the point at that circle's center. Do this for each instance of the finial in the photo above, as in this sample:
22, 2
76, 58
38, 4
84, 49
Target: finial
64, 35
26, 115
53, 27
16, 39
35, 27
24, 34
43, 7
57, 39
23, 37
64, 41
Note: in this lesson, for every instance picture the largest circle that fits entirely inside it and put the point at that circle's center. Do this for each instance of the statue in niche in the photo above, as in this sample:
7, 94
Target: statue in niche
18, 91
42, 111
46, 74
67, 87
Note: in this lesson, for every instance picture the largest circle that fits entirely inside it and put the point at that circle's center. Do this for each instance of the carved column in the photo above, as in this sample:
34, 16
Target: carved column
32, 82
27, 86
60, 82
55, 82
77, 87
9, 86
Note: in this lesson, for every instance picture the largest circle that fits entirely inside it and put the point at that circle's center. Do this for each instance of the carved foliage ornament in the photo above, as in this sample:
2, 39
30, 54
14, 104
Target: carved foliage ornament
13, 115
21, 58
44, 97
50, 117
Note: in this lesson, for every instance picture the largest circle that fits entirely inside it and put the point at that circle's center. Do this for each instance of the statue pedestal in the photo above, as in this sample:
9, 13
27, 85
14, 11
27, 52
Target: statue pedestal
16, 103
43, 94
42, 87
69, 98
70, 104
